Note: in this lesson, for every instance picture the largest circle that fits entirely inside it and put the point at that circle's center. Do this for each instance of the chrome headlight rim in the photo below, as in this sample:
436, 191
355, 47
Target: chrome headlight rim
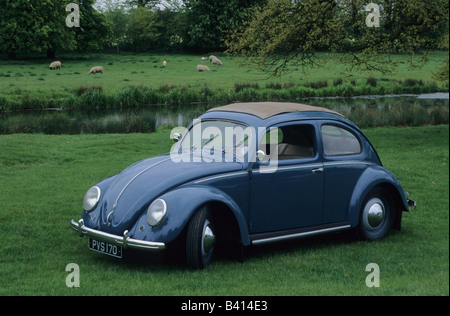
156, 212
91, 199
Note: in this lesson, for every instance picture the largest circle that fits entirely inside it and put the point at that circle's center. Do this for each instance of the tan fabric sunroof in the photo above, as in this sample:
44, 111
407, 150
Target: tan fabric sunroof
265, 110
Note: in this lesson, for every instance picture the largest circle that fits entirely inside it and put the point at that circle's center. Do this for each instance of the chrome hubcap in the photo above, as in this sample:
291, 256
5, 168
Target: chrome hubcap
208, 238
374, 214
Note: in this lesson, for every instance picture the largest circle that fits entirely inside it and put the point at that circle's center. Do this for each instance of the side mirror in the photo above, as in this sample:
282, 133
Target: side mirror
260, 155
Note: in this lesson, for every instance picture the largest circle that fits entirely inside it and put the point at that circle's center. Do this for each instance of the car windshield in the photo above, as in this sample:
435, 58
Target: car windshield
219, 136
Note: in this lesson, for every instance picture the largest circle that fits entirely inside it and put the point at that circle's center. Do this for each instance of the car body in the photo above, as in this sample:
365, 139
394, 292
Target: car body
247, 174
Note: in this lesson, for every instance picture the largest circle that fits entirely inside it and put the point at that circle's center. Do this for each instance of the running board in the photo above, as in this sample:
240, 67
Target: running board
264, 238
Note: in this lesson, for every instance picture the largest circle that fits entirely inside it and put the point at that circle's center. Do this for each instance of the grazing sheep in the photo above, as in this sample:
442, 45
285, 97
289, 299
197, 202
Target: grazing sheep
96, 70
164, 63
201, 68
216, 61
55, 65
211, 58
204, 59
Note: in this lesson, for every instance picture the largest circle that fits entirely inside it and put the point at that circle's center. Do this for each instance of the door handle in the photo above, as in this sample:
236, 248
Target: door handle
317, 170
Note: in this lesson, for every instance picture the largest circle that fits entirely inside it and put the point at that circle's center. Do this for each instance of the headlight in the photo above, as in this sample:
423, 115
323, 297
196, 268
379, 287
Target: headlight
156, 212
91, 199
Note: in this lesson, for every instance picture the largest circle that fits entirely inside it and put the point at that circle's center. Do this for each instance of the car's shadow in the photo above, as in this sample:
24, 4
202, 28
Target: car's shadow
174, 259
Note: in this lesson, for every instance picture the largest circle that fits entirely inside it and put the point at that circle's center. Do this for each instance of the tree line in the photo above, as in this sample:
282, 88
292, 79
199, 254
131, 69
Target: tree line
272, 33
38, 26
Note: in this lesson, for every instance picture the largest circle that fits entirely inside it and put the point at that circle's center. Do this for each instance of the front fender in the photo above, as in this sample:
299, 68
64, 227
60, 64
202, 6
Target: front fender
372, 177
181, 205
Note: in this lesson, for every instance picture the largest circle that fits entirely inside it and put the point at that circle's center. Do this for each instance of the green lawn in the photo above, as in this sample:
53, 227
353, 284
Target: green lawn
43, 180
28, 83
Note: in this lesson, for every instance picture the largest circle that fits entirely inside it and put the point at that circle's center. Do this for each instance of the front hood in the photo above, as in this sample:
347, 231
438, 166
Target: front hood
136, 187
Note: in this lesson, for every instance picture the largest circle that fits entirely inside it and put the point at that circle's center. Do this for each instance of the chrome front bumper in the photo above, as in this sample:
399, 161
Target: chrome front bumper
125, 241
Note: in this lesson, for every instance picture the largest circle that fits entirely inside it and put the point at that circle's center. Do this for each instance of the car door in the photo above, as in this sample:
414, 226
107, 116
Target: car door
289, 195
343, 159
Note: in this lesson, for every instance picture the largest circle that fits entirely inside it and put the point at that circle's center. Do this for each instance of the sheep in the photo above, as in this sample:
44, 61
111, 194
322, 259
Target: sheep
55, 65
216, 61
201, 68
204, 59
96, 70
164, 63
211, 58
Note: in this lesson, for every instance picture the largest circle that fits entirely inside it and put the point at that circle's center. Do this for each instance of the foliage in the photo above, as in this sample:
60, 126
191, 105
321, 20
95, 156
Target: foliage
286, 31
442, 73
210, 20
34, 26
274, 33
93, 30
143, 29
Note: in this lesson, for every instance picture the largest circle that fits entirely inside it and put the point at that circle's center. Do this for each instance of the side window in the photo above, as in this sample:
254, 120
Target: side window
289, 142
339, 141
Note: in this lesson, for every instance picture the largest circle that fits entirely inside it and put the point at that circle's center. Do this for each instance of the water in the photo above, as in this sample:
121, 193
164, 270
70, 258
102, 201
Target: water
365, 111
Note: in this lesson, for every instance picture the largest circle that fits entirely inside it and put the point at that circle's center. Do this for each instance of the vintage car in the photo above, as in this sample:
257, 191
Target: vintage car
246, 174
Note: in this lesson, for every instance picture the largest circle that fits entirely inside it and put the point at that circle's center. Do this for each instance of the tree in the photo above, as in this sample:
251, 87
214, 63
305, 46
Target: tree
211, 20
94, 30
143, 3
143, 29
293, 31
117, 20
34, 26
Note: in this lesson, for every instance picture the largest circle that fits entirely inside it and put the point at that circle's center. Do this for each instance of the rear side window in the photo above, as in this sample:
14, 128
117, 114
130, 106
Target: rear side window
338, 141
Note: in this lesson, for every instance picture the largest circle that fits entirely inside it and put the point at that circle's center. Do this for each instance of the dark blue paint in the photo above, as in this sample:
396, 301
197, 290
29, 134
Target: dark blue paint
292, 197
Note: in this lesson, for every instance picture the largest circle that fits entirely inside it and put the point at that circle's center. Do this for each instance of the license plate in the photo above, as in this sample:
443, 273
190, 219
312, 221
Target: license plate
105, 248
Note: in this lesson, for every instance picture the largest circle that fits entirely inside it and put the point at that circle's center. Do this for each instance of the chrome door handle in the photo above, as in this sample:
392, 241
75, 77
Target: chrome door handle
318, 170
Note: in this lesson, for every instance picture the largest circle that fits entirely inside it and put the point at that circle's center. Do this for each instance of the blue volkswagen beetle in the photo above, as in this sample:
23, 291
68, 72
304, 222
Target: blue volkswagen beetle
246, 174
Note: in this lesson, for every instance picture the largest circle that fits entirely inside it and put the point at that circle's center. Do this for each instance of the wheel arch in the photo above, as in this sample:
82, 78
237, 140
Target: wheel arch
373, 177
184, 202
397, 202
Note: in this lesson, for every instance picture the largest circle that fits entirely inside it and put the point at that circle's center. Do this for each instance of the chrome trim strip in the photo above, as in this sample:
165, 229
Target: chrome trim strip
221, 176
347, 163
298, 235
125, 241
278, 168
129, 182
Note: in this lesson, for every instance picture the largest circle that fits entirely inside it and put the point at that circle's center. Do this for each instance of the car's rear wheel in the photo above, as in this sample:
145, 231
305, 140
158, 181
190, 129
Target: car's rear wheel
201, 239
377, 215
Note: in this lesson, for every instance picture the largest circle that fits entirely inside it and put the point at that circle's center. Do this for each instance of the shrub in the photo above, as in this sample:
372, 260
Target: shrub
274, 85
413, 82
318, 84
241, 86
81, 90
338, 82
372, 81
4, 105
92, 99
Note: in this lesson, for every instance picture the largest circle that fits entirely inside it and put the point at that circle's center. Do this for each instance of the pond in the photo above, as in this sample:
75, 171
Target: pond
365, 111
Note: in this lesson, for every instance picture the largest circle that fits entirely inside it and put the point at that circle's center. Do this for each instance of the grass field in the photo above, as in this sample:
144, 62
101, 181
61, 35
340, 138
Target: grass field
43, 179
29, 84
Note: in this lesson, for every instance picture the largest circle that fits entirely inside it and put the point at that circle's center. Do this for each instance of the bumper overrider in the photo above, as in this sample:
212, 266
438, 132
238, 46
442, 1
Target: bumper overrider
125, 241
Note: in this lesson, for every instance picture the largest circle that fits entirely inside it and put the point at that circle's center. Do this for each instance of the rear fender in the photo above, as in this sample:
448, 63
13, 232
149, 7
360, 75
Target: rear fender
372, 177
181, 205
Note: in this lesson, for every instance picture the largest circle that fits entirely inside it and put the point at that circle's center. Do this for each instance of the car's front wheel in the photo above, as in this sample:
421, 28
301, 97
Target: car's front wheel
201, 239
377, 215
